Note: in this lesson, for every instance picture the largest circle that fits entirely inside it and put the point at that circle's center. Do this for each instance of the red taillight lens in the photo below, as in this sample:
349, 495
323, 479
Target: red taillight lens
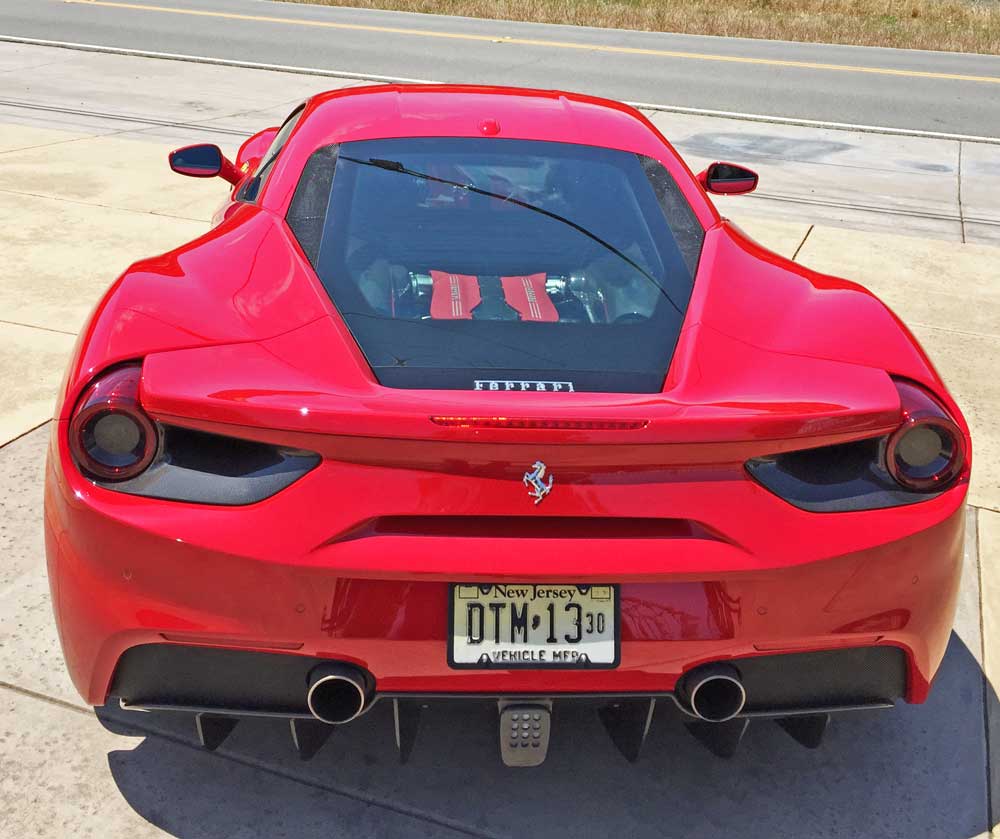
927, 452
110, 436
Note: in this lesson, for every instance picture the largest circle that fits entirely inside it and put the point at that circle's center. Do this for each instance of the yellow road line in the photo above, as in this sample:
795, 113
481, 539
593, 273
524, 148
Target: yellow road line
536, 42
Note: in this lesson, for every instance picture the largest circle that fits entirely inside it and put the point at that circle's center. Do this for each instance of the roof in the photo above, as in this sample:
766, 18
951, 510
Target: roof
386, 111
459, 111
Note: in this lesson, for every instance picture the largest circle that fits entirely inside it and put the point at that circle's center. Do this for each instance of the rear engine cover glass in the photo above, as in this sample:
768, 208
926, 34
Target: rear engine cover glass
487, 264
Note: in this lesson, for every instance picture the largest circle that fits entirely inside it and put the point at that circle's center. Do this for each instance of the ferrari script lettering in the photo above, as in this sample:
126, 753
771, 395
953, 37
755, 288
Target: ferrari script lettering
518, 384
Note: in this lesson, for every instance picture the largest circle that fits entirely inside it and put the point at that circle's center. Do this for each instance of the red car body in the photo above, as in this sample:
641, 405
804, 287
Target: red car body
352, 562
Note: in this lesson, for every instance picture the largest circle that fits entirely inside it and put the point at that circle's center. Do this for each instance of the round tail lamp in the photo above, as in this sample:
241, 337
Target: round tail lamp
927, 452
110, 437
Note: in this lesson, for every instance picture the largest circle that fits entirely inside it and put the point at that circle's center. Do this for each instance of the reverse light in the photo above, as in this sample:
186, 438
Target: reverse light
110, 437
927, 452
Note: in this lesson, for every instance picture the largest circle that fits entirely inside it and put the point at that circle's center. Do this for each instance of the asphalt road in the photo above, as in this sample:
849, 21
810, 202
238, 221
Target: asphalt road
928, 91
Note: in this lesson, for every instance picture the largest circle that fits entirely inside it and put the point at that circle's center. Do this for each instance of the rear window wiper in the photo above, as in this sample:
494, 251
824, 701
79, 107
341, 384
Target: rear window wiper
397, 166
391, 165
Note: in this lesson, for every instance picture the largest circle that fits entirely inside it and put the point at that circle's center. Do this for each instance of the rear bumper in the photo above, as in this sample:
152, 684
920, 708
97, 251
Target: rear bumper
130, 572
243, 682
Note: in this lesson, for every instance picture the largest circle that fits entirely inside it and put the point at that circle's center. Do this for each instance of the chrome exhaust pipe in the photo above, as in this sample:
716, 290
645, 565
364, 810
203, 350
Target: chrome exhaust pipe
338, 693
714, 692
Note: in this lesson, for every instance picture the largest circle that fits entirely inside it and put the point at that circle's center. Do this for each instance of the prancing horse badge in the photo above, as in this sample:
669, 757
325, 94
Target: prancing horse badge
535, 481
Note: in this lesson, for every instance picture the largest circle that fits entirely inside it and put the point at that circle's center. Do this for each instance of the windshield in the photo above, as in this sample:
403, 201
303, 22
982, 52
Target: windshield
491, 264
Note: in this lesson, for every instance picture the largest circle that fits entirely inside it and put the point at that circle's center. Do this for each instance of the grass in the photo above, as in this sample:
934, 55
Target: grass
954, 25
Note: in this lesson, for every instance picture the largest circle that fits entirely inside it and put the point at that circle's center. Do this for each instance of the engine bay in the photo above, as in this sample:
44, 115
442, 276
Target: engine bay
398, 293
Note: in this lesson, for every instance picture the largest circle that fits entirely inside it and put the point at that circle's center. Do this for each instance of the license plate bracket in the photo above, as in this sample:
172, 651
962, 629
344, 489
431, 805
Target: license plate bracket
533, 626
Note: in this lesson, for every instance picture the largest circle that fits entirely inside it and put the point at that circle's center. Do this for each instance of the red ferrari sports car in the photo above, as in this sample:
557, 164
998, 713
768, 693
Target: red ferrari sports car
470, 393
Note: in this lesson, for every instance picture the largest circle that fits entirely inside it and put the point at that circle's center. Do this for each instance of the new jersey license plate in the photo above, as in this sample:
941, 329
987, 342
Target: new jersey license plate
538, 625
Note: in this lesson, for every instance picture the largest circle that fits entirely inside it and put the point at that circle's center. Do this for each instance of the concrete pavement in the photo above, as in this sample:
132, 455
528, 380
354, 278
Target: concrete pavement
910, 89
86, 177
912, 185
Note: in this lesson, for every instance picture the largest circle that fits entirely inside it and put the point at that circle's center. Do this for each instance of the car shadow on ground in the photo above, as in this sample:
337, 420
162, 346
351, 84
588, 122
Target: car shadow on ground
915, 771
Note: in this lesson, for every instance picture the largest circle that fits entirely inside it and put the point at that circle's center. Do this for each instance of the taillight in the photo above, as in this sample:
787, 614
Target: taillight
111, 438
925, 455
927, 452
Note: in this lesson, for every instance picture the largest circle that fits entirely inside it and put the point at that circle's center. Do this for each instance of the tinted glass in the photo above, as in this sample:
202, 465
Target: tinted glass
197, 160
501, 264
252, 189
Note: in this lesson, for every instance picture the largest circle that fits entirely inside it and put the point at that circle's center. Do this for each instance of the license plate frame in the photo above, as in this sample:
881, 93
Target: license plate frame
535, 665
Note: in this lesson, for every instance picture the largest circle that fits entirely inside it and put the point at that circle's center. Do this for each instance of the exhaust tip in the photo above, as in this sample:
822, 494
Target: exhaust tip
338, 693
715, 693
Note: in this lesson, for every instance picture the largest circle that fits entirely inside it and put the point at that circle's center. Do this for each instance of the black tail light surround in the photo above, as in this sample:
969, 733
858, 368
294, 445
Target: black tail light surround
119, 447
922, 458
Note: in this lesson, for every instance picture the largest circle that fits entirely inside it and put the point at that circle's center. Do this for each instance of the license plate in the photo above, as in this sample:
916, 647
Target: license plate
536, 625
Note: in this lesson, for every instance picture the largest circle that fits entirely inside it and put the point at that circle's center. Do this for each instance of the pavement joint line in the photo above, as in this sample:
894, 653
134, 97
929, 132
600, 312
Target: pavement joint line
284, 103
981, 219
868, 208
813, 123
810, 230
143, 125
986, 736
652, 106
979, 573
985, 679
949, 329
250, 763
961, 213
36, 326
3, 445
750, 156
537, 42
103, 207
33, 66
147, 121
41, 697
57, 142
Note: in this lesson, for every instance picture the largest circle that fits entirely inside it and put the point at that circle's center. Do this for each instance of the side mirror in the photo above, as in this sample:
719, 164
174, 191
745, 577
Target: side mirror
728, 179
203, 161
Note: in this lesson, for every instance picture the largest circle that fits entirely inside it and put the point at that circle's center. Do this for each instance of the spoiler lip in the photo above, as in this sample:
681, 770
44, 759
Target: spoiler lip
583, 458
313, 383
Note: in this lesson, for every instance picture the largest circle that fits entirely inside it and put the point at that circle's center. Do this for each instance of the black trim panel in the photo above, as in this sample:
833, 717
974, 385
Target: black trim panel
852, 676
244, 681
844, 478
210, 677
429, 378
205, 468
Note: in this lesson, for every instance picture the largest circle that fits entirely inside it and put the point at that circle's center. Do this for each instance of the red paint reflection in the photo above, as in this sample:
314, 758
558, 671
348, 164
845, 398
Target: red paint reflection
679, 612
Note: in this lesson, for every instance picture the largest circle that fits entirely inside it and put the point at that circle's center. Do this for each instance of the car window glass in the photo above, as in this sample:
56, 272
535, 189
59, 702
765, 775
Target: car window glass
457, 261
251, 189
